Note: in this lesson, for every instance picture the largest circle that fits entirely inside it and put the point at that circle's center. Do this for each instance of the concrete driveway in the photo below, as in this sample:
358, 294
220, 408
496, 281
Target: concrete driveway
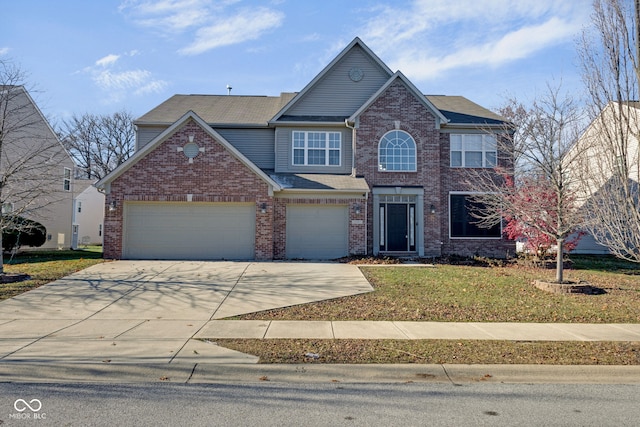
149, 311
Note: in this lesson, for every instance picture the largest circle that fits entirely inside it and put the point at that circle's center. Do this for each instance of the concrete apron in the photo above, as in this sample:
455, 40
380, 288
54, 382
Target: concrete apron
150, 311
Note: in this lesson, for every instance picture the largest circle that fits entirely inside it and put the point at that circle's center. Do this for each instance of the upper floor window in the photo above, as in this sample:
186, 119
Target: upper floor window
397, 152
317, 148
473, 151
66, 182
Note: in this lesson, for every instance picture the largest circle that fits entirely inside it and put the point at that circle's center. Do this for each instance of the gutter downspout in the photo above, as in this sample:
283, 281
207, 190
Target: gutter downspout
353, 146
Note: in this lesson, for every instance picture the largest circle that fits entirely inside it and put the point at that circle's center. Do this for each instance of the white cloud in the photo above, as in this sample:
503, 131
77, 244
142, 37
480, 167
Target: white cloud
4, 50
246, 25
429, 37
208, 23
107, 60
119, 82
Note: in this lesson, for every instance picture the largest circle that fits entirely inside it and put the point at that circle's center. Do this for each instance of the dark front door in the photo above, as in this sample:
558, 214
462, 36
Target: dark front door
397, 227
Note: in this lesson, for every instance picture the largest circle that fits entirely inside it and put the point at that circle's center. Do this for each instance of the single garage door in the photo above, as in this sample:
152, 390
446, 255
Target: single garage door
317, 231
189, 230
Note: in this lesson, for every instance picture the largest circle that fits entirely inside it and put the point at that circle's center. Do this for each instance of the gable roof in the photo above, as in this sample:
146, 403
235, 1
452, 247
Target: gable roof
218, 110
419, 96
190, 115
461, 111
355, 42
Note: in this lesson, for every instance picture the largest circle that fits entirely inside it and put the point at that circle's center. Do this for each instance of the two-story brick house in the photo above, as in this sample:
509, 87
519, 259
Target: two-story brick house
357, 162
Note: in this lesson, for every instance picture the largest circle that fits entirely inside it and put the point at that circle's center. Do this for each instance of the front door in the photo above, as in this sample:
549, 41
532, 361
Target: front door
397, 227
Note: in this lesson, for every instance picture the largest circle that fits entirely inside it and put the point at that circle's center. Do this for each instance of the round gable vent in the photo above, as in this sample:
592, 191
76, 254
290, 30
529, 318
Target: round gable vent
191, 150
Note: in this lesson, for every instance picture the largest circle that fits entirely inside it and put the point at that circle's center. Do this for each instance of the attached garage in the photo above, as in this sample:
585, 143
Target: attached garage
317, 231
167, 230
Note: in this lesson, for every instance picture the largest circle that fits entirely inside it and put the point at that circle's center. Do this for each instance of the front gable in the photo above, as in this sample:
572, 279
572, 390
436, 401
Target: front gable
339, 89
169, 158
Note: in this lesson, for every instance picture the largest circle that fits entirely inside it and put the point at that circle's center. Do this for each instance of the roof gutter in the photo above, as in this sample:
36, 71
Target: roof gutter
353, 145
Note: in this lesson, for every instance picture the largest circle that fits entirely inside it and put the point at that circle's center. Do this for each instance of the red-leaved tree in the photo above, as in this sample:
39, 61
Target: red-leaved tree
536, 224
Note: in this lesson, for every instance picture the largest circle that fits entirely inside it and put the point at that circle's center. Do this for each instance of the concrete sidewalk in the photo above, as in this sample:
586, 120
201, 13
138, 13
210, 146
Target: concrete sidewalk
419, 330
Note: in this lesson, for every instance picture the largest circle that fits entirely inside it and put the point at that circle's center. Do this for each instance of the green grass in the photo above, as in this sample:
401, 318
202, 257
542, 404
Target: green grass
44, 267
455, 293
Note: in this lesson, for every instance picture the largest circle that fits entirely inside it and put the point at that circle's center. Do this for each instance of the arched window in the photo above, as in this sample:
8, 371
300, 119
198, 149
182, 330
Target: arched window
397, 152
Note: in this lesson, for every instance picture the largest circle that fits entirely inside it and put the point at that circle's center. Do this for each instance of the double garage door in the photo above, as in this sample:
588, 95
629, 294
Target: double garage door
317, 231
189, 231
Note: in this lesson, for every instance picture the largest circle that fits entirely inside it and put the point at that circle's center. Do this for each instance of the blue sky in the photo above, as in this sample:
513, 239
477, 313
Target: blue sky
104, 56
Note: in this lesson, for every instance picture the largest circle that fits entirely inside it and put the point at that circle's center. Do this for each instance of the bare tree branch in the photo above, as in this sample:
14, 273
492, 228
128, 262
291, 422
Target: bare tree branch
100, 143
610, 169
31, 178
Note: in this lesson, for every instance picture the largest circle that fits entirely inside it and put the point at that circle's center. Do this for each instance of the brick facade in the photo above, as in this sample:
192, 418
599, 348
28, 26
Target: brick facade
398, 108
166, 175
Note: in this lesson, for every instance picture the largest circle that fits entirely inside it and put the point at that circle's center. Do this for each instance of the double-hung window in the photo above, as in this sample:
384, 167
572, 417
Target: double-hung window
317, 148
66, 181
473, 151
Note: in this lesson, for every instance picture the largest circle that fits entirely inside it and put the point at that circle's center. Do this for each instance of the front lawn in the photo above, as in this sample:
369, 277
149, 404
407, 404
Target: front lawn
458, 293
462, 293
44, 267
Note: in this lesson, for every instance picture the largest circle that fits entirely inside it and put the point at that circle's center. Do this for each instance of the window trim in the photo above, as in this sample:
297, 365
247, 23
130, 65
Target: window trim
66, 179
451, 237
463, 150
306, 148
415, 153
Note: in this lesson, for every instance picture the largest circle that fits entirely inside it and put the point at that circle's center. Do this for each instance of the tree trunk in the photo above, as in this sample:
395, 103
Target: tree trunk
560, 261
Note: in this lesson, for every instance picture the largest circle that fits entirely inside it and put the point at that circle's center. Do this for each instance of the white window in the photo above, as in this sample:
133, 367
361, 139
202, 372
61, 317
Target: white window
7, 208
317, 148
473, 151
66, 182
397, 152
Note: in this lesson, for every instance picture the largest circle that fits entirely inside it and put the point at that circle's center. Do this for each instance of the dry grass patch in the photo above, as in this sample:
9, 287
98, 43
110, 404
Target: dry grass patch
438, 351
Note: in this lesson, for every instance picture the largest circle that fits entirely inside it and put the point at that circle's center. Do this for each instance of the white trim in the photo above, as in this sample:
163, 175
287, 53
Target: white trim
415, 153
327, 149
440, 118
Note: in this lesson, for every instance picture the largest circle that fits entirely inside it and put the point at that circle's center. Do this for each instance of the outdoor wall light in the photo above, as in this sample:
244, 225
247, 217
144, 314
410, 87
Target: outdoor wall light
357, 209
112, 206
263, 208
432, 209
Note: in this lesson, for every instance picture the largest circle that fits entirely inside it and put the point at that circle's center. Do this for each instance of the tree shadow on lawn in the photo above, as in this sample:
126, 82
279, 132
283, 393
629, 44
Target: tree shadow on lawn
30, 257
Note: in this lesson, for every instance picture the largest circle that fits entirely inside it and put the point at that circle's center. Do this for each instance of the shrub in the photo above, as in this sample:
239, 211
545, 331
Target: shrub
22, 232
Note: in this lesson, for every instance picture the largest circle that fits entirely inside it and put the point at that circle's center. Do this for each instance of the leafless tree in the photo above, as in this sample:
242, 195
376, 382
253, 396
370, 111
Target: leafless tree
99, 143
535, 156
31, 155
610, 171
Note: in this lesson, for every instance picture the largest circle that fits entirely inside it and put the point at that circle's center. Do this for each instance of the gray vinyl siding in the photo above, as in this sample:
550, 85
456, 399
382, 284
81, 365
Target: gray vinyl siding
146, 134
284, 150
335, 94
256, 144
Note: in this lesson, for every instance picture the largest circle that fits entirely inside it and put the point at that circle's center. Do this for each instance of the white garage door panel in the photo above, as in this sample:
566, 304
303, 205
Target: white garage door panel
317, 231
189, 231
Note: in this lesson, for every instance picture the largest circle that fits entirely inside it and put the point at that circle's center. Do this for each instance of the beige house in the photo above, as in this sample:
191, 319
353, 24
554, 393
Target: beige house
610, 140
36, 167
88, 214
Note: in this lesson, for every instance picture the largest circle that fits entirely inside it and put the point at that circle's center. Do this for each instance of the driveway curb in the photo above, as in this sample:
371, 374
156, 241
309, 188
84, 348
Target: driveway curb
316, 373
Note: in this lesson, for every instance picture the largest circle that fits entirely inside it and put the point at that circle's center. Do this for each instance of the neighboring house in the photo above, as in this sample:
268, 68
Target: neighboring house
358, 162
36, 166
88, 214
600, 149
